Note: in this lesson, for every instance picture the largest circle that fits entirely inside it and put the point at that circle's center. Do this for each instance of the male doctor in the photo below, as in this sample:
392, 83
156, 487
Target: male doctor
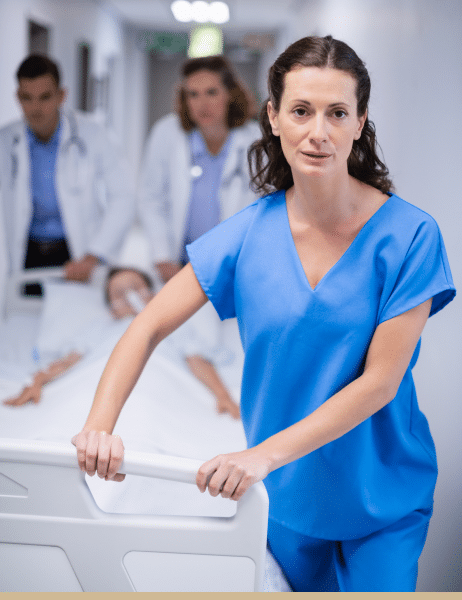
66, 193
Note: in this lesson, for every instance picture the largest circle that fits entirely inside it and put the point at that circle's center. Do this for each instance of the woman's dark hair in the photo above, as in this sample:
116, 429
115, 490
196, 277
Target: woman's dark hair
238, 108
115, 271
268, 165
37, 65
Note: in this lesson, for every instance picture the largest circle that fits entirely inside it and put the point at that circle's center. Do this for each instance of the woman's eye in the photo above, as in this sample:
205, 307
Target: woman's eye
340, 114
300, 112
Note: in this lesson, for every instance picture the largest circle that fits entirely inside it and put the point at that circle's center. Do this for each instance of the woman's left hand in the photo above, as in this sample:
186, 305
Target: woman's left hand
231, 475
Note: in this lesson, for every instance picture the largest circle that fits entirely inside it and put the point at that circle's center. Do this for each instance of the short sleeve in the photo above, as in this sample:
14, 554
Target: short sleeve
424, 274
214, 257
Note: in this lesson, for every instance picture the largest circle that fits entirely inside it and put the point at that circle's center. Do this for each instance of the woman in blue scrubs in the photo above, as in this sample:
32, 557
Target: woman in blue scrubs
331, 277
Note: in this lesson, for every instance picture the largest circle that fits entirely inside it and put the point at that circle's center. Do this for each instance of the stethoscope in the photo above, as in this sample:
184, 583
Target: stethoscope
73, 140
197, 171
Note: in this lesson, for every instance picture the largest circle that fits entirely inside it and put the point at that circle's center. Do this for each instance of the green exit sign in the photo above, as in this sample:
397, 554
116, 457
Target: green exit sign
164, 42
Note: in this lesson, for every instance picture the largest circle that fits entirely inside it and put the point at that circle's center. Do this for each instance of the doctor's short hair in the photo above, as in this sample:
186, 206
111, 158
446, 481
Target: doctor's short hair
239, 105
37, 65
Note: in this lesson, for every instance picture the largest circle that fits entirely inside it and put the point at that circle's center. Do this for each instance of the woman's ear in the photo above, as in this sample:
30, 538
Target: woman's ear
361, 121
273, 118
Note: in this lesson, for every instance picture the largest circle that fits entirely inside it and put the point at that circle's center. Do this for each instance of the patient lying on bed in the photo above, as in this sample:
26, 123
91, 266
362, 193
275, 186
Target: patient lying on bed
127, 291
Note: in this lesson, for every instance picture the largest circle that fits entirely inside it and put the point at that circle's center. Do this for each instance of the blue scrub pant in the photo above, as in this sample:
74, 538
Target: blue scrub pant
384, 561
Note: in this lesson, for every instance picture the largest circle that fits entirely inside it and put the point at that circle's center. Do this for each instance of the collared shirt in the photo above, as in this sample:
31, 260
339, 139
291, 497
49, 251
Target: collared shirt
46, 224
206, 173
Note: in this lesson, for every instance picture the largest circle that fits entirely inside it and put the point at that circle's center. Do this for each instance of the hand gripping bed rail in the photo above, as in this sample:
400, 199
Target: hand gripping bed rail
53, 536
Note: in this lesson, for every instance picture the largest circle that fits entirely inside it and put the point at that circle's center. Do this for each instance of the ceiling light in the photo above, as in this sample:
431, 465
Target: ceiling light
200, 11
219, 12
182, 11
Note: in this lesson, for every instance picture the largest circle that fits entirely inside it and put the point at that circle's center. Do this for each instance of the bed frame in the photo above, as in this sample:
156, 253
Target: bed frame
54, 538
16, 301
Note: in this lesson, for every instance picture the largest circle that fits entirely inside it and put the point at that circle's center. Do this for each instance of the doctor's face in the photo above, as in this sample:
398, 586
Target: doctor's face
40, 99
317, 121
207, 99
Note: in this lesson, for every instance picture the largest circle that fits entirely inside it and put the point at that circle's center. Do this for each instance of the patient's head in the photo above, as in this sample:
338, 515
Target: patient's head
127, 291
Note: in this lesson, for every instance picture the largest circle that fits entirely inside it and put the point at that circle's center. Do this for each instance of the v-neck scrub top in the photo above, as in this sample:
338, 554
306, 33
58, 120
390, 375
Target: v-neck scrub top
303, 345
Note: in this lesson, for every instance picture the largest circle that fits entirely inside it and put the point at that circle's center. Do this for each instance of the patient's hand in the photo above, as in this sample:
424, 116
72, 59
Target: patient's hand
225, 404
101, 453
31, 393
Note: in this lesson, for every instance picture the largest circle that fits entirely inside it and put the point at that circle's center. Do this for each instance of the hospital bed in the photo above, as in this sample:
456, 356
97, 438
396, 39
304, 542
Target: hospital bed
54, 538
63, 531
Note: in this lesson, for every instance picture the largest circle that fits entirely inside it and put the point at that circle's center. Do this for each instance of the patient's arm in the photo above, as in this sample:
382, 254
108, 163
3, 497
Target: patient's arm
207, 374
33, 392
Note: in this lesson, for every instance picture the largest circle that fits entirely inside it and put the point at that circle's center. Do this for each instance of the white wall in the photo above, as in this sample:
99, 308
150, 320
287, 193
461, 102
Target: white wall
70, 22
412, 49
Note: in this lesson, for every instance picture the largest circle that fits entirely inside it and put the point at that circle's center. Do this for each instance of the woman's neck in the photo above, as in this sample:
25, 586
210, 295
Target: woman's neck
215, 137
332, 205
325, 201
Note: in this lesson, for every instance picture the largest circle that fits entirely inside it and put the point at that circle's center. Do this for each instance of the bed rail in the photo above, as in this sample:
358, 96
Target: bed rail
53, 536
16, 300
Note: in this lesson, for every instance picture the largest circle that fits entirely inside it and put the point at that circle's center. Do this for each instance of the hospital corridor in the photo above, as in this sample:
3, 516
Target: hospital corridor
139, 179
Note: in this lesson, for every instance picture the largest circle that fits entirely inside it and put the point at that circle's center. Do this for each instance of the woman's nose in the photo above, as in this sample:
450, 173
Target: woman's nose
318, 133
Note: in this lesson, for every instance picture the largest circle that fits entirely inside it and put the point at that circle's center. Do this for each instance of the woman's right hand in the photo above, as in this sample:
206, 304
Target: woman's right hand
101, 453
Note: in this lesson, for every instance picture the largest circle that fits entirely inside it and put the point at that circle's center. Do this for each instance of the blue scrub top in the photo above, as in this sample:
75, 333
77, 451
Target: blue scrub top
302, 345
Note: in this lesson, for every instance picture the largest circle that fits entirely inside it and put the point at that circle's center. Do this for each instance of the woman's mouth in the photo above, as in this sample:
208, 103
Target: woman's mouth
315, 155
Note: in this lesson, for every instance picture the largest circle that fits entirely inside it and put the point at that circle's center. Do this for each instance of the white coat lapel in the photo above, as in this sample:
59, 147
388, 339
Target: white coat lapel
21, 197
180, 177
235, 167
70, 195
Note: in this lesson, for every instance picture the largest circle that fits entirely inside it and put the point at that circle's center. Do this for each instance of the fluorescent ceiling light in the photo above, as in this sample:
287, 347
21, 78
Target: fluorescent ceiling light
182, 11
200, 11
219, 12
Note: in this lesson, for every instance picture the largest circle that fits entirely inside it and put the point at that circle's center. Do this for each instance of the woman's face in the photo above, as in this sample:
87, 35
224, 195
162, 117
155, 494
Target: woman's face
119, 285
317, 121
207, 99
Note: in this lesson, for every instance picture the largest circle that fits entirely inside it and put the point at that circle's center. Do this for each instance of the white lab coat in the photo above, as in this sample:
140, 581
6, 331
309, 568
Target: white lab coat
94, 185
165, 184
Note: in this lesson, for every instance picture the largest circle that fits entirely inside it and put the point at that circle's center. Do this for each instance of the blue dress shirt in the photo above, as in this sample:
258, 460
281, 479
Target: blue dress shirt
46, 224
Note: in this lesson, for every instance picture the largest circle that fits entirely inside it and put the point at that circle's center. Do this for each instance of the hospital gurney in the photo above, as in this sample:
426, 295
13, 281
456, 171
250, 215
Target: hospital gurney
53, 537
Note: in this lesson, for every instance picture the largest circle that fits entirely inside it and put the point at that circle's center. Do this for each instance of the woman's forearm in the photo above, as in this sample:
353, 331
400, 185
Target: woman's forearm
181, 297
388, 357
119, 377
341, 413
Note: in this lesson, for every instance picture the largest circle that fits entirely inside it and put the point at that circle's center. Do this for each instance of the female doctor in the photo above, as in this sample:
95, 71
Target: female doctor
93, 184
194, 173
